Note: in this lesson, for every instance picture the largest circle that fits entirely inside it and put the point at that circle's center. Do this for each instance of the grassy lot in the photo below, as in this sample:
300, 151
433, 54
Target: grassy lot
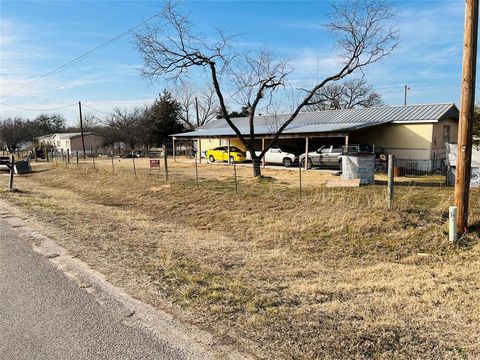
331, 275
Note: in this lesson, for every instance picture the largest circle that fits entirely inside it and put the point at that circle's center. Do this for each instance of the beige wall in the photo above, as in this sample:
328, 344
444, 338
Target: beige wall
91, 140
438, 146
404, 141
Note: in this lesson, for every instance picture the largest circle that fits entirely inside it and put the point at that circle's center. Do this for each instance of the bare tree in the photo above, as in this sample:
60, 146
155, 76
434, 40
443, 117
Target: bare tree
127, 126
196, 107
354, 93
363, 29
15, 132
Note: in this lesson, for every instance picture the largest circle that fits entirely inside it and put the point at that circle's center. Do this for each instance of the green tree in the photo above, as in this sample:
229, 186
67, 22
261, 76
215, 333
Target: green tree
234, 114
49, 124
164, 118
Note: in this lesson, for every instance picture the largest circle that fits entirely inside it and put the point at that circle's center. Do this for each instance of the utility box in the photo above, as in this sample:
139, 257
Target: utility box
22, 167
452, 163
359, 167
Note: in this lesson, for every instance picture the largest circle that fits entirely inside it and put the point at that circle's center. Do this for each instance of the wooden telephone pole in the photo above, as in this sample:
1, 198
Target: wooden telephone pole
467, 103
81, 128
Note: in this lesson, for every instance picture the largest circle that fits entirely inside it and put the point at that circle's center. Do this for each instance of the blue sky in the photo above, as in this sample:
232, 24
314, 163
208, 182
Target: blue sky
38, 36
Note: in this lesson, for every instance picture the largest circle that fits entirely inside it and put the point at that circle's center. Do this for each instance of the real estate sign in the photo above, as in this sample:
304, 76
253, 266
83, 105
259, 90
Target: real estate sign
154, 164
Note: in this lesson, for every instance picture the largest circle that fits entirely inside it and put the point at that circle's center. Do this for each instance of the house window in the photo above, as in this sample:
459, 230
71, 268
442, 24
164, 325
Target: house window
446, 135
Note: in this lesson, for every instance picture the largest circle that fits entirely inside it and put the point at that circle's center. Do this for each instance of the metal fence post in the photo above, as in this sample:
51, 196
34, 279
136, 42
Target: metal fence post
300, 177
390, 181
196, 171
12, 170
113, 166
93, 156
235, 176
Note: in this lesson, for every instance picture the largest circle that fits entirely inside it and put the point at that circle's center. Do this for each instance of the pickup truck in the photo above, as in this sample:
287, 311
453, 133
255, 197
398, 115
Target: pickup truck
330, 156
277, 155
324, 156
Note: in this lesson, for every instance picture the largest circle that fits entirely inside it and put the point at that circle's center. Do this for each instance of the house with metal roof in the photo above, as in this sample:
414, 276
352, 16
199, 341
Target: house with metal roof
72, 141
414, 134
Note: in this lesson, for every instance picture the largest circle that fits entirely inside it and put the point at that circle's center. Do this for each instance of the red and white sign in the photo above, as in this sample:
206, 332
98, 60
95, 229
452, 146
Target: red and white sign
154, 164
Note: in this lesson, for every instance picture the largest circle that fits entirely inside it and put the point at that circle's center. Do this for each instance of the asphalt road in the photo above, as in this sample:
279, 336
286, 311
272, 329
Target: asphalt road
46, 315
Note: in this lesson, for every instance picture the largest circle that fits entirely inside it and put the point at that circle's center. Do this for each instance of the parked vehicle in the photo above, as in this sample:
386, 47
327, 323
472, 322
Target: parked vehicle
324, 156
357, 149
277, 155
221, 154
136, 153
330, 156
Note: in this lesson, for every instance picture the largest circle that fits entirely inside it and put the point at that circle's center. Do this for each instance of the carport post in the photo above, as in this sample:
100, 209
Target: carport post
346, 139
228, 151
306, 153
263, 147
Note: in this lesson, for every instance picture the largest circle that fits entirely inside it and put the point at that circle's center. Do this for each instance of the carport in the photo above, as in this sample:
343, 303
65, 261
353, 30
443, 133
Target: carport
306, 127
410, 126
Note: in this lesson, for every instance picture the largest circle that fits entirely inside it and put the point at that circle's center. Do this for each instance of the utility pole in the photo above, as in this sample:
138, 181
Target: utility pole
405, 89
81, 128
467, 103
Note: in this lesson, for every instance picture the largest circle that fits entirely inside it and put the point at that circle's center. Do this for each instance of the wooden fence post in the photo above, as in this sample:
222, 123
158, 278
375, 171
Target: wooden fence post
78, 164
133, 160
93, 156
165, 162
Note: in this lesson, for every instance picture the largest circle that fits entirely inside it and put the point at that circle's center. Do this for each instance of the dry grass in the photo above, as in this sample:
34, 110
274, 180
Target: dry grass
333, 275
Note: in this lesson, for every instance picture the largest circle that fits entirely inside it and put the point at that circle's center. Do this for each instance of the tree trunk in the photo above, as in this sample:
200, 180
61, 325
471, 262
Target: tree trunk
257, 172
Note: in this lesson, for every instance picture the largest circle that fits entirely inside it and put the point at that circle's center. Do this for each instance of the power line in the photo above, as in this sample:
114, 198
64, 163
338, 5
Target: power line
92, 108
27, 109
77, 59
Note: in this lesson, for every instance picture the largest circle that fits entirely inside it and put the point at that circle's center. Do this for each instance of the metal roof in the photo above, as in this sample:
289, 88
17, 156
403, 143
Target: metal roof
62, 136
329, 121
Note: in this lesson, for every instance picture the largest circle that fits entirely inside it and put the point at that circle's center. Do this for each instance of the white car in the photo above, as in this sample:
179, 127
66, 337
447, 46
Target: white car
277, 155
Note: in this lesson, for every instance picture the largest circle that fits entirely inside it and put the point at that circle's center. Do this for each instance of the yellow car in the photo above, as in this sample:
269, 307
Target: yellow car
221, 154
